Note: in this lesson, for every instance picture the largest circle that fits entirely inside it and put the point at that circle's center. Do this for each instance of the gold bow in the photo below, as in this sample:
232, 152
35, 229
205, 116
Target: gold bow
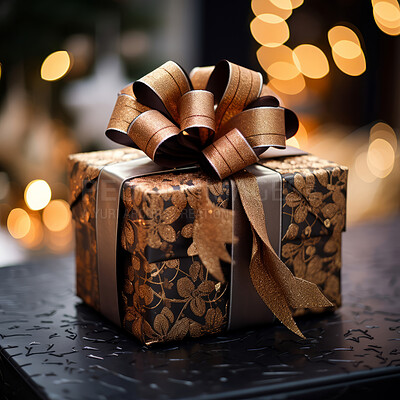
217, 118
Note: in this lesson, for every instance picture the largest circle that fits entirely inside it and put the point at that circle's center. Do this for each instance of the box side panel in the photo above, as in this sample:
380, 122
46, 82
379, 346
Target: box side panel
314, 194
314, 214
168, 294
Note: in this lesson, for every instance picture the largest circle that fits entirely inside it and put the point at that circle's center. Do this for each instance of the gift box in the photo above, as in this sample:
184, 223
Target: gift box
166, 294
226, 228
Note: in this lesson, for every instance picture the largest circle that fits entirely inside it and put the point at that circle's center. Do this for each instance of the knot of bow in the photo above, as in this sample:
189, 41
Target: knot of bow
218, 117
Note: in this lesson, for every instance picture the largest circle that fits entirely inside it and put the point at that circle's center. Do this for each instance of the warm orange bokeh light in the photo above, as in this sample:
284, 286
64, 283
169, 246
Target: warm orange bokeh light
347, 49
18, 223
297, 3
354, 67
269, 30
311, 61
37, 194
291, 86
380, 158
55, 66
269, 55
268, 7
283, 70
33, 239
57, 215
340, 32
383, 131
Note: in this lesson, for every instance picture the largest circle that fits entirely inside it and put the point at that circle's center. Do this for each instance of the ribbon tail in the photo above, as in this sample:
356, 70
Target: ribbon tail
267, 287
272, 279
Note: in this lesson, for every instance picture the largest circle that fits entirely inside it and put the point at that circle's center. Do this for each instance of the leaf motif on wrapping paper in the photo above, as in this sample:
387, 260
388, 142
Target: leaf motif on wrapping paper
169, 314
128, 235
194, 270
178, 199
161, 324
299, 266
198, 306
128, 287
293, 199
206, 287
338, 198
212, 229
214, 319
299, 182
315, 272
322, 176
310, 182
187, 231
135, 264
167, 233
289, 249
331, 246
195, 329
300, 214
179, 330
173, 264
146, 293
292, 231
329, 210
315, 199
185, 287
170, 215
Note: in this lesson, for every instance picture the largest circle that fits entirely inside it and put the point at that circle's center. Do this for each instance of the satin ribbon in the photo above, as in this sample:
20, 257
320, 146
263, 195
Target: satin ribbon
223, 124
217, 118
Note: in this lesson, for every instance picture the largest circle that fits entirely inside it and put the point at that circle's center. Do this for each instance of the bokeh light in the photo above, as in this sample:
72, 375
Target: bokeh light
268, 7
34, 238
297, 3
55, 66
18, 223
269, 30
383, 131
380, 158
291, 86
387, 16
57, 215
346, 50
37, 194
354, 67
311, 61
340, 32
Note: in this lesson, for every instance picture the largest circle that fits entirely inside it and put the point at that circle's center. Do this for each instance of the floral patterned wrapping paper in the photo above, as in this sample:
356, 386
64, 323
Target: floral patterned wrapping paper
167, 293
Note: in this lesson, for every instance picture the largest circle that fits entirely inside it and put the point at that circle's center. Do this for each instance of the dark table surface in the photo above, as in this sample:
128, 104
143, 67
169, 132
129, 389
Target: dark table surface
54, 347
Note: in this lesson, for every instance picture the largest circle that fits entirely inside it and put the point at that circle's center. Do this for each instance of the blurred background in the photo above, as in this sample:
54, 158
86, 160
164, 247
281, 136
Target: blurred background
335, 63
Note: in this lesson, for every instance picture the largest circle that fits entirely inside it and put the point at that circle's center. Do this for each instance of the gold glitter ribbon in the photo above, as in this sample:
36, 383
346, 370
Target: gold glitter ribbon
216, 117
222, 118
275, 284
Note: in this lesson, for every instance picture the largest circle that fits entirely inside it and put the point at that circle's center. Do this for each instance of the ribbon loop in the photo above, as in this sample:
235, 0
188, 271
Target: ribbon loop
196, 110
234, 88
200, 76
262, 127
149, 130
229, 154
162, 88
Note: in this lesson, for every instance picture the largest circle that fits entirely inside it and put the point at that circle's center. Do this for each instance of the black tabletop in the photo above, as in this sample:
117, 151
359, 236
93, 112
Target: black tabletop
52, 346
